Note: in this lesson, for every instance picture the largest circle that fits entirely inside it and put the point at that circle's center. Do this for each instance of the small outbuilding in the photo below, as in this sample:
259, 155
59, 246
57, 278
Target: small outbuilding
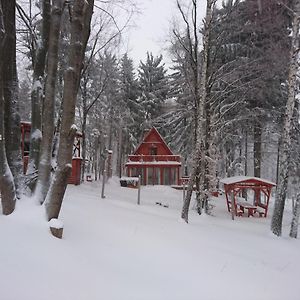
154, 161
76, 155
236, 194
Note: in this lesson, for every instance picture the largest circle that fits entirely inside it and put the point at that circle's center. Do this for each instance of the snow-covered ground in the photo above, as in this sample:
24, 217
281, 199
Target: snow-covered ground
113, 249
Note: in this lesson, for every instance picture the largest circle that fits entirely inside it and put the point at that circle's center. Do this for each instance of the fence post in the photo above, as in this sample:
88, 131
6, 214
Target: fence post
139, 191
103, 184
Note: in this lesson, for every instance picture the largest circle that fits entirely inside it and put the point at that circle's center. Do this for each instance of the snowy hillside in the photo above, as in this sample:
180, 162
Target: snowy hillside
113, 249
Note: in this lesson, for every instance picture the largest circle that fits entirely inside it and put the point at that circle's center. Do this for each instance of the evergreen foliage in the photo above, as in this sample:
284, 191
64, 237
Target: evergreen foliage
153, 87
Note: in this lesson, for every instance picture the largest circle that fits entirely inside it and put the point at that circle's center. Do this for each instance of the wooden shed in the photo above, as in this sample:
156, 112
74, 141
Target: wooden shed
76, 160
235, 188
154, 161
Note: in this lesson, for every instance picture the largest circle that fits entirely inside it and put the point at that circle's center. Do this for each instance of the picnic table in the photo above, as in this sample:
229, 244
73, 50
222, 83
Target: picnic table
243, 204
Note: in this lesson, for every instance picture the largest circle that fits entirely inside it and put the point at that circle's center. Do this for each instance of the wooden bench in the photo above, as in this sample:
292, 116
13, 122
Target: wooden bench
260, 212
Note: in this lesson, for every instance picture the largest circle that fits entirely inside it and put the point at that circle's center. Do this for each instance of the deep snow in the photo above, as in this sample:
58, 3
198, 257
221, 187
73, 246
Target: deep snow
113, 249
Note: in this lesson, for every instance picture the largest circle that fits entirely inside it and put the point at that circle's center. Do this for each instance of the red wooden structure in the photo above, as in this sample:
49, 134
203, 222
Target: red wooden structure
25, 142
154, 161
76, 160
234, 187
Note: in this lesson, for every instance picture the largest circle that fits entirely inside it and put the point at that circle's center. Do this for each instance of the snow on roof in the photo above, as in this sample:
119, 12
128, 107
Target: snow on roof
173, 163
237, 179
129, 178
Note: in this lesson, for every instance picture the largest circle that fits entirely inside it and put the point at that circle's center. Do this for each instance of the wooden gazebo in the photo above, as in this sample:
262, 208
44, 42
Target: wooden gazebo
235, 188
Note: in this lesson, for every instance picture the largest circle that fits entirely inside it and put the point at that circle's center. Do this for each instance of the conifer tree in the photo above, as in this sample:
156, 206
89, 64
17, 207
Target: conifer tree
153, 86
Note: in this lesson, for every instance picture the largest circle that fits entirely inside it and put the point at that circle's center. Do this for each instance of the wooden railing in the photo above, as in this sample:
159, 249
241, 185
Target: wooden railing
154, 158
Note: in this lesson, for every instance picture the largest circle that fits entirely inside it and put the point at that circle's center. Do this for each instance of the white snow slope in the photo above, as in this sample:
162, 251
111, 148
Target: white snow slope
113, 249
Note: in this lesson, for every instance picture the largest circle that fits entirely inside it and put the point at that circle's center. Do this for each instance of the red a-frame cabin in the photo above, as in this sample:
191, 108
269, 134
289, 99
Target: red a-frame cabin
154, 161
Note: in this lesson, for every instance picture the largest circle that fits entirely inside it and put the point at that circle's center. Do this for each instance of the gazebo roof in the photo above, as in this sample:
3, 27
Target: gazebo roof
245, 179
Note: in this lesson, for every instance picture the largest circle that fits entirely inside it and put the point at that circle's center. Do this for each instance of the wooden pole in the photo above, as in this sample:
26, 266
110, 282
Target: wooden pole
139, 191
103, 184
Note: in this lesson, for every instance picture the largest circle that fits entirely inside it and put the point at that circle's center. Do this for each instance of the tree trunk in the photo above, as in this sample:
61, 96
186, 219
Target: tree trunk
37, 90
276, 224
199, 155
44, 167
277, 162
257, 149
80, 31
83, 130
120, 150
7, 186
10, 93
295, 220
246, 152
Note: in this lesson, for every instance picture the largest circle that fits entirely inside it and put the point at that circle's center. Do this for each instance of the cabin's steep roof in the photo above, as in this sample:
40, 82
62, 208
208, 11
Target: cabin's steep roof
153, 132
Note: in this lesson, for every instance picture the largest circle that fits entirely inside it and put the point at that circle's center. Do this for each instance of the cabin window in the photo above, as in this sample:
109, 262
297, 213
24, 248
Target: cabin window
169, 176
153, 176
150, 173
153, 151
166, 172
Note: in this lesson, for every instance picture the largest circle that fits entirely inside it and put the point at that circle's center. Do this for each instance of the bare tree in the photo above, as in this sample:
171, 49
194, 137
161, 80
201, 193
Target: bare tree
80, 31
39, 64
284, 154
7, 186
295, 220
10, 93
199, 154
44, 168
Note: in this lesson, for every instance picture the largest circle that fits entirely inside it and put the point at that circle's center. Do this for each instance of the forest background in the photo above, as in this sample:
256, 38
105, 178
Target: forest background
228, 103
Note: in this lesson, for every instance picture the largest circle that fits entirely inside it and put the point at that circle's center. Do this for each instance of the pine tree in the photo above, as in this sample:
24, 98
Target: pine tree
153, 87
129, 95
177, 121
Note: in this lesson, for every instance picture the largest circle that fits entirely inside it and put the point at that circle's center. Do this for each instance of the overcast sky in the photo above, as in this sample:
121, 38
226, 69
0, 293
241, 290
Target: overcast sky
152, 27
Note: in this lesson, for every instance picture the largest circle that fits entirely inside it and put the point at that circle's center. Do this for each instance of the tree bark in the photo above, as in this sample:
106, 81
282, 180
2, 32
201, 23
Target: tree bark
7, 186
83, 130
199, 156
10, 93
80, 31
257, 149
37, 90
295, 220
44, 167
284, 155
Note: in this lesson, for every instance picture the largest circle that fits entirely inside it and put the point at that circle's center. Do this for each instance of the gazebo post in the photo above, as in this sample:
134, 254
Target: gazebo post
226, 195
268, 199
233, 205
